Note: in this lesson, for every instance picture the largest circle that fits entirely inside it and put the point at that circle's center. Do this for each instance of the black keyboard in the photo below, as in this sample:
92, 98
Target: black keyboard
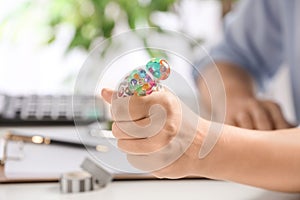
50, 110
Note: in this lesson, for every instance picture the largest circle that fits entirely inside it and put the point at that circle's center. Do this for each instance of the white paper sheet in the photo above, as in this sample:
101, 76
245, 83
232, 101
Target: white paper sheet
53, 160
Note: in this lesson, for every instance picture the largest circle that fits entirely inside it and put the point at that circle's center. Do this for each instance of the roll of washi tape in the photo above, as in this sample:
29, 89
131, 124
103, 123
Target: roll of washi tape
73, 182
100, 175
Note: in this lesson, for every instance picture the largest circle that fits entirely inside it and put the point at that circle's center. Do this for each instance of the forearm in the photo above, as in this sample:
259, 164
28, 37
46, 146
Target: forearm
264, 159
226, 78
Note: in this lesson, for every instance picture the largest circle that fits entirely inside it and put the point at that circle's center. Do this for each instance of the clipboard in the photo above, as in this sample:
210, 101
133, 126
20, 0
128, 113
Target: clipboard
45, 163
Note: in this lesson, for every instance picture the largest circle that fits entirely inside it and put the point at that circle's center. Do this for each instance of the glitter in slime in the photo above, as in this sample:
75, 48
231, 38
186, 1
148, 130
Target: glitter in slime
144, 80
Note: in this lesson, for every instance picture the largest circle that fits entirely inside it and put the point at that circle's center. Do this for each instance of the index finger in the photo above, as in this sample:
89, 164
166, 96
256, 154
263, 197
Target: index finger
130, 108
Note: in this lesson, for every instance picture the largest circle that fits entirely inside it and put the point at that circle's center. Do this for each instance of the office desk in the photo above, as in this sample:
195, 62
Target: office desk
140, 190
144, 190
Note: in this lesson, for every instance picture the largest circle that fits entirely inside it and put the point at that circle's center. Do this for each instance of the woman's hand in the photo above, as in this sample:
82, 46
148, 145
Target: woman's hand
252, 113
158, 132
161, 135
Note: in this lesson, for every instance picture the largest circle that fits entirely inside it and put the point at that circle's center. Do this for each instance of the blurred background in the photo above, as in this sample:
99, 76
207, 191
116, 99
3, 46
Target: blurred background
44, 43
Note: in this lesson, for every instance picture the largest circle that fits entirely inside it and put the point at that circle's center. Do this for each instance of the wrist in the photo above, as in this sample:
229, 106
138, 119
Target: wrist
213, 159
199, 166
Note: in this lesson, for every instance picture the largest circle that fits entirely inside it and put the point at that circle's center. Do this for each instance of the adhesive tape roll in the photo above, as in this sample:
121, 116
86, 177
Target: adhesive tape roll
76, 182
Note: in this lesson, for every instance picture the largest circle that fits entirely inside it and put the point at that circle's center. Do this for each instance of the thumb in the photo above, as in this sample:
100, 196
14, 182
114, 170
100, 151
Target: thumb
107, 95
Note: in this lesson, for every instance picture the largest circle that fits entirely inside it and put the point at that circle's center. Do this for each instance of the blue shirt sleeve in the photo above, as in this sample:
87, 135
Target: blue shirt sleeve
252, 39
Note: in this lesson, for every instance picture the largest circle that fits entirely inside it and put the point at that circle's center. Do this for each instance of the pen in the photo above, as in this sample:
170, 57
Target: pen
39, 139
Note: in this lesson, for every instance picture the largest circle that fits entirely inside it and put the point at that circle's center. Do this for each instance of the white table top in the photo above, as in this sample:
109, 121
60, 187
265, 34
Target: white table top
150, 189
141, 190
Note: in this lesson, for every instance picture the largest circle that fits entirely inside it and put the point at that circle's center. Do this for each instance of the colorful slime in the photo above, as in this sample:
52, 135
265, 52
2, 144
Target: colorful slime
144, 80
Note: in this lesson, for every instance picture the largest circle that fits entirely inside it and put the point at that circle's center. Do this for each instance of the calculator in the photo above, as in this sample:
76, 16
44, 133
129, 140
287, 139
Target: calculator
50, 110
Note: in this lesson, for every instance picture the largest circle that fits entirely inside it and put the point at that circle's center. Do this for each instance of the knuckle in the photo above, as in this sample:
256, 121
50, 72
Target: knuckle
114, 129
171, 128
264, 123
275, 105
168, 101
113, 126
261, 116
242, 116
121, 145
252, 103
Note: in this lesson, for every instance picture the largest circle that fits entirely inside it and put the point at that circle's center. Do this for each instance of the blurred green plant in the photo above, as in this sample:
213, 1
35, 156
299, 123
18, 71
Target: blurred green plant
93, 19
97, 18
